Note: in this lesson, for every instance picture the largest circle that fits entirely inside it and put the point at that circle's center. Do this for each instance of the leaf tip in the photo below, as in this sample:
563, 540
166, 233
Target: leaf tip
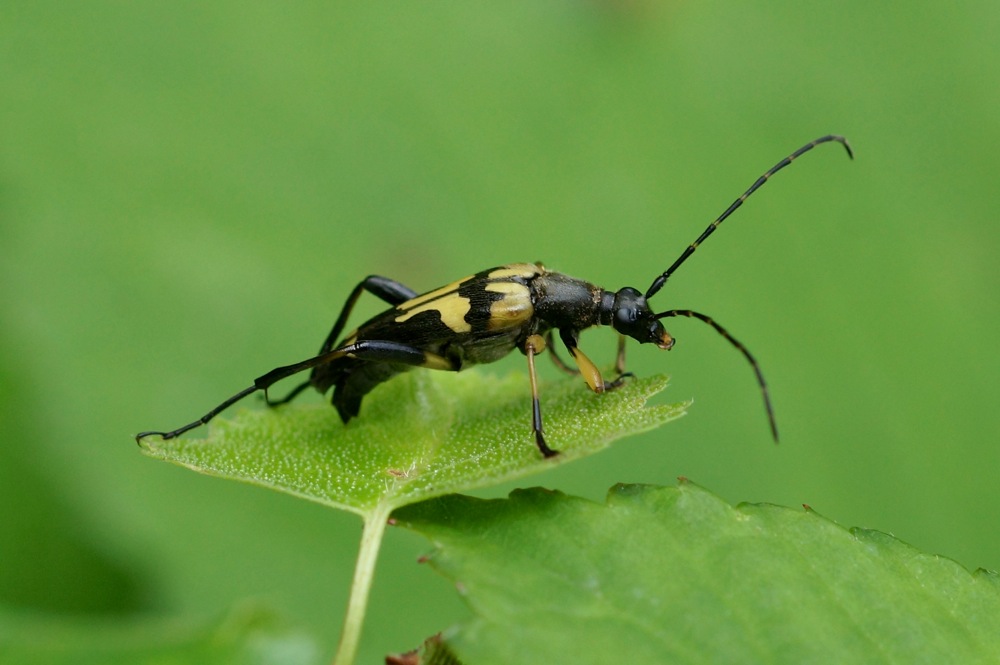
148, 443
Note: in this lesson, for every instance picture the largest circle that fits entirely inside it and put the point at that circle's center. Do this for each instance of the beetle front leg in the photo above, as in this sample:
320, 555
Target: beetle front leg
620, 365
535, 344
556, 360
588, 369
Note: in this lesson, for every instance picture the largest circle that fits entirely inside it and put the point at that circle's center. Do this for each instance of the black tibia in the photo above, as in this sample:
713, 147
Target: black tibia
383, 288
204, 419
394, 353
260, 383
371, 362
535, 344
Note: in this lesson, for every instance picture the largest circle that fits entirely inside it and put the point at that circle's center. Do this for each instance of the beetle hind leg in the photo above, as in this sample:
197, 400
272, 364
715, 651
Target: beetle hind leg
201, 421
292, 394
383, 288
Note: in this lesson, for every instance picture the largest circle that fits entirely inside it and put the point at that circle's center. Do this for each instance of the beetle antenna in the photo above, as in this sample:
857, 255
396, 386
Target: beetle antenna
662, 279
746, 354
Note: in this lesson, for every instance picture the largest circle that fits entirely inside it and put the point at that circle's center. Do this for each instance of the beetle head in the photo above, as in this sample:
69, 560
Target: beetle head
633, 317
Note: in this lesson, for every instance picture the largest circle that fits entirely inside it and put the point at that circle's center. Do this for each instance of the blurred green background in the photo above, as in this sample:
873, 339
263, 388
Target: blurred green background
188, 192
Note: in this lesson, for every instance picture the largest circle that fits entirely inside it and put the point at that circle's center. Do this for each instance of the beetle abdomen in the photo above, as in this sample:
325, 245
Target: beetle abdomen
475, 320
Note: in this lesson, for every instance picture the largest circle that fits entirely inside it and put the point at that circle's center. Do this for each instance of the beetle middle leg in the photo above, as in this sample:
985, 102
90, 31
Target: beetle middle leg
533, 345
383, 288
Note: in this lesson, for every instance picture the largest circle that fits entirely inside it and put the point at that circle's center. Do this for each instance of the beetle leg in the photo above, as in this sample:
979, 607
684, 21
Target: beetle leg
396, 352
204, 419
375, 350
383, 288
536, 344
369, 349
555, 356
620, 358
292, 394
591, 374
619, 365
588, 369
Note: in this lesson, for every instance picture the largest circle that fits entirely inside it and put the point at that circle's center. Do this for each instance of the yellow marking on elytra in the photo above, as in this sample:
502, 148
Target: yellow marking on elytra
436, 293
513, 309
525, 270
507, 288
452, 309
589, 371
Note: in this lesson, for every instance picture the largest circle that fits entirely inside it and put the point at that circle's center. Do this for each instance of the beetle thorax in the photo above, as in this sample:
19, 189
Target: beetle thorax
565, 302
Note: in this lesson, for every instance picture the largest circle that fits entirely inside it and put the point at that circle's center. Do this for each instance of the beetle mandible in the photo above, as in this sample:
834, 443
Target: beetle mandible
483, 317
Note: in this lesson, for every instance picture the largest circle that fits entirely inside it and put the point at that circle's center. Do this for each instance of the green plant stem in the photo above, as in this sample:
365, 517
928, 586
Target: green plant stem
364, 572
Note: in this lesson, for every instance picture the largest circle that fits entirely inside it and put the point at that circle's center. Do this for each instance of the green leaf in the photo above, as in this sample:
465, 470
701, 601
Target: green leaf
420, 435
677, 575
249, 635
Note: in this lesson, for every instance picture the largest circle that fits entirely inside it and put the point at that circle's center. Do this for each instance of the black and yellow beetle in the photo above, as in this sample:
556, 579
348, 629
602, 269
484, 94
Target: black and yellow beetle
482, 318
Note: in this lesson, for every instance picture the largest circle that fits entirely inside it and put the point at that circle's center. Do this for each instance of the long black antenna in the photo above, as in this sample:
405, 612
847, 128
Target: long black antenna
662, 279
746, 354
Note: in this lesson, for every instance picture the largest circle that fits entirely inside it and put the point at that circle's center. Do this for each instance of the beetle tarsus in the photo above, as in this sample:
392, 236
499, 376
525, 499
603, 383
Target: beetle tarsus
618, 382
540, 442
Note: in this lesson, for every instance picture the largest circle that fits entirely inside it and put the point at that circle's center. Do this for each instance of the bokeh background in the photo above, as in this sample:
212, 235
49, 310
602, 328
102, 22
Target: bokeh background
188, 191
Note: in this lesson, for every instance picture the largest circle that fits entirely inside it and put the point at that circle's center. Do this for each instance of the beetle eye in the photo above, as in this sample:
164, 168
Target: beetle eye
627, 315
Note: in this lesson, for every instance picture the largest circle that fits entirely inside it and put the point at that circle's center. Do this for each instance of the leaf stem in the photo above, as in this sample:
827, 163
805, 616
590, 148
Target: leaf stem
364, 571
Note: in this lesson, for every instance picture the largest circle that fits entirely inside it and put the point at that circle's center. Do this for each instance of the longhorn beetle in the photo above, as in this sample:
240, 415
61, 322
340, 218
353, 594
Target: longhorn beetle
483, 317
